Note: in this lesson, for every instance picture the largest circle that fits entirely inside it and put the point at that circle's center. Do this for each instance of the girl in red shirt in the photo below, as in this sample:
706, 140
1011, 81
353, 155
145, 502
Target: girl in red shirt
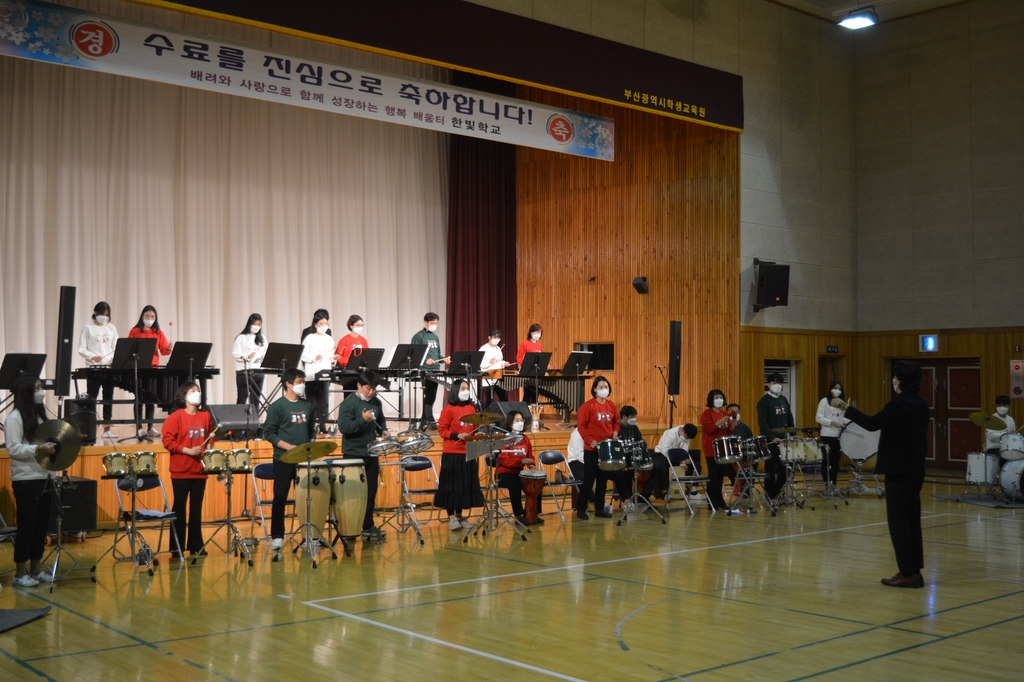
531, 344
354, 339
458, 484
148, 327
185, 432
513, 460
597, 420
715, 423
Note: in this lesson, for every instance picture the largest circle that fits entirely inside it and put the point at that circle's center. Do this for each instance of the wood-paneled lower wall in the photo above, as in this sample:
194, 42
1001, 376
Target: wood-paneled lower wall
667, 209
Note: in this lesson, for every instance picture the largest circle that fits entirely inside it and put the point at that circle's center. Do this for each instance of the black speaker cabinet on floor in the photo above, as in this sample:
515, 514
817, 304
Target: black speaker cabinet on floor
79, 506
81, 412
504, 408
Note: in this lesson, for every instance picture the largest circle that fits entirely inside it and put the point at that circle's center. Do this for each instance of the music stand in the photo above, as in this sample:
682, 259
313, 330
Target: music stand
577, 362
15, 365
535, 365
127, 353
187, 355
283, 355
465, 363
408, 356
365, 358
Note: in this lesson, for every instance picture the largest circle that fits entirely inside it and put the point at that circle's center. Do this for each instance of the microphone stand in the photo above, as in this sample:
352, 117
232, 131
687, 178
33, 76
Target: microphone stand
671, 398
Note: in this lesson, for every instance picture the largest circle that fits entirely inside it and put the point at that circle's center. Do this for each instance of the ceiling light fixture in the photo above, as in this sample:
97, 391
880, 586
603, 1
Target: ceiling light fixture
861, 18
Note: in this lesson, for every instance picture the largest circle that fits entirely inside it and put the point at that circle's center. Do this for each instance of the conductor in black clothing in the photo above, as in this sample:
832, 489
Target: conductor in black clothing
902, 449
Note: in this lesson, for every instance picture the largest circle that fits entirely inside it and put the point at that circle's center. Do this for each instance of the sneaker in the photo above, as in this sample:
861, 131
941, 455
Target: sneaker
454, 524
608, 509
277, 544
604, 513
153, 433
24, 581
465, 523
582, 514
108, 435
141, 434
696, 496
43, 577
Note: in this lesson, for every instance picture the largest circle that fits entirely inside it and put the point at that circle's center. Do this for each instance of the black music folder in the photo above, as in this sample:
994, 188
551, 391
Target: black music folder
365, 358
128, 349
465, 362
189, 355
577, 362
535, 364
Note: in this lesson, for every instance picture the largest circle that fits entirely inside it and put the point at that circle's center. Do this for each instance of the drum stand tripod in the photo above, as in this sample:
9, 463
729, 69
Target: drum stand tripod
494, 515
789, 492
748, 475
141, 553
633, 503
59, 482
404, 516
236, 543
312, 544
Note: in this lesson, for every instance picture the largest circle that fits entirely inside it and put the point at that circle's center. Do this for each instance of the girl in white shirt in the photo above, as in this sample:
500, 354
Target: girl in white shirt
248, 351
96, 344
492, 360
318, 355
832, 422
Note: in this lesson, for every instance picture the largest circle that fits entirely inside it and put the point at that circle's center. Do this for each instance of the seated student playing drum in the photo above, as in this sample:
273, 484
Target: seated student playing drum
628, 431
597, 420
511, 461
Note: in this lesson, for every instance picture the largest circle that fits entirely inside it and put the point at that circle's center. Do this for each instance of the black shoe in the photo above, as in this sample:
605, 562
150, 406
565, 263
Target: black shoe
429, 426
540, 522
582, 514
602, 514
178, 555
193, 552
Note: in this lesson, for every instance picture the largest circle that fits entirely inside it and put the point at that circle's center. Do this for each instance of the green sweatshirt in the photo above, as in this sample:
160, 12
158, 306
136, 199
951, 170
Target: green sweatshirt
433, 343
742, 430
773, 413
630, 432
356, 432
289, 421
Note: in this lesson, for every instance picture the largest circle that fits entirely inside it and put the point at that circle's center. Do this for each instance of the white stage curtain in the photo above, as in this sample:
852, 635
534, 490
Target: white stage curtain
211, 207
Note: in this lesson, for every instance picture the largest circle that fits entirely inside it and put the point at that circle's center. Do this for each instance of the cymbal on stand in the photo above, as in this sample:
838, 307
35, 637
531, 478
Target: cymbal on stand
478, 418
987, 421
786, 429
302, 453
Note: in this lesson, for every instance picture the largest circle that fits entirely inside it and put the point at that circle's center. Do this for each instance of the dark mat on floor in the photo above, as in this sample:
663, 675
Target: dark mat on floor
12, 618
982, 501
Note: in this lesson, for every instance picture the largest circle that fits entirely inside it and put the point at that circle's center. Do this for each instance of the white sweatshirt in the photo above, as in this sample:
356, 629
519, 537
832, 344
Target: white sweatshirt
826, 415
575, 449
97, 340
23, 464
492, 360
245, 344
992, 437
314, 345
672, 439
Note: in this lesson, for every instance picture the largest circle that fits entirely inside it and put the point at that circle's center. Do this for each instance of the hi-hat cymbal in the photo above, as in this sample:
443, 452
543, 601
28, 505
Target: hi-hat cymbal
302, 453
987, 421
479, 418
67, 439
785, 429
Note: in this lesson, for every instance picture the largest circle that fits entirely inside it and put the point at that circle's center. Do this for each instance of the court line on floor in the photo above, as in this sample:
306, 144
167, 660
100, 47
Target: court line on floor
24, 664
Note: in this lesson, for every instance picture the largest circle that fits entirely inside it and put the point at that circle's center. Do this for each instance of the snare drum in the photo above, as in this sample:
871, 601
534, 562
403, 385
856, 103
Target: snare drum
142, 462
1011, 446
983, 468
728, 450
610, 455
1011, 478
533, 482
757, 449
239, 461
812, 451
314, 480
857, 443
214, 462
115, 464
348, 488
385, 445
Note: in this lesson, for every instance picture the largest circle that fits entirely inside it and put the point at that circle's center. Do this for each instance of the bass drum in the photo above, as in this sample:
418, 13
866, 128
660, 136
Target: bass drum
1011, 479
858, 443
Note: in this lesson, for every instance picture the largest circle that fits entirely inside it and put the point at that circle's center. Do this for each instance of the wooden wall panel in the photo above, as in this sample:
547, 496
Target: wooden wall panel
667, 208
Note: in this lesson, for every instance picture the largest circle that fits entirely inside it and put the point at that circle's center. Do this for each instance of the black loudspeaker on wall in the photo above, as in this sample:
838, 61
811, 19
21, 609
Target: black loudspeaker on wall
65, 341
82, 413
504, 408
640, 284
772, 284
675, 350
79, 507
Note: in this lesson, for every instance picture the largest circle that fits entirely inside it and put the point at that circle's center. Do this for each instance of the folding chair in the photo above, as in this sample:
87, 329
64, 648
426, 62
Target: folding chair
420, 463
557, 459
404, 516
129, 526
262, 473
681, 483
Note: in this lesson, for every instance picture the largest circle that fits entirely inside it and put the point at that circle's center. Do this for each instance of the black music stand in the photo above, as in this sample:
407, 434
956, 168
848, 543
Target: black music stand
535, 365
365, 358
409, 356
465, 363
127, 353
189, 355
577, 362
285, 356
15, 365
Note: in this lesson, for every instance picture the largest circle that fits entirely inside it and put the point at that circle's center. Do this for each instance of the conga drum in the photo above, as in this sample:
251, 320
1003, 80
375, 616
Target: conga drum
533, 482
314, 480
348, 485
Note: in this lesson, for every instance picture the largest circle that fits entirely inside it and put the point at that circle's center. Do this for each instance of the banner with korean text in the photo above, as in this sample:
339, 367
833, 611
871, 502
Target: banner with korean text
60, 35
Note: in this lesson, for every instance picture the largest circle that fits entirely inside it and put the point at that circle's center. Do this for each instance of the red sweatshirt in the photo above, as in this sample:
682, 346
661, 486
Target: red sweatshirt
449, 425
347, 343
183, 430
512, 462
711, 432
161, 342
527, 346
596, 421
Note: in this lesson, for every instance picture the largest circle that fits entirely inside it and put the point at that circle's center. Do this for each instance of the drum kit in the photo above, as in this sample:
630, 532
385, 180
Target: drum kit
744, 454
1002, 475
487, 440
635, 456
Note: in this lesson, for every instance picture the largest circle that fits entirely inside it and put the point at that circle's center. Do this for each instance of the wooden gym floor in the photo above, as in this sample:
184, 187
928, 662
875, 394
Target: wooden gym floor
746, 597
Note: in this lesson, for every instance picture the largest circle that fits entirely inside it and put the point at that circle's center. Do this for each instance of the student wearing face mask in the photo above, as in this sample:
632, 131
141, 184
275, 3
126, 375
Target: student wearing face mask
96, 345
185, 433
148, 327
458, 484
513, 460
492, 360
596, 420
832, 422
1002, 412
289, 424
351, 341
428, 337
673, 449
628, 430
531, 344
318, 355
773, 412
715, 423
360, 420
902, 448
248, 351
29, 481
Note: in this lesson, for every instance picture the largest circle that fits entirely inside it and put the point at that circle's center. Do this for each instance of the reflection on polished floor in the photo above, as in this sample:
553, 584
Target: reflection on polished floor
747, 597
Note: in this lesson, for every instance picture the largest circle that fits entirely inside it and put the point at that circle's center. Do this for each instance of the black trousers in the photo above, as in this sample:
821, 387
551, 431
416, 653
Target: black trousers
150, 409
775, 472
660, 480
716, 477
576, 467
284, 476
592, 474
316, 393
34, 499
830, 464
529, 395
93, 386
248, 391
429, 396
514, 486
489, 394
188, 492
903, 512
372, 468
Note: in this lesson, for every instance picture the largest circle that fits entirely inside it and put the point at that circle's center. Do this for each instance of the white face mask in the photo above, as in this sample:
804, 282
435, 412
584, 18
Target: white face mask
630, 421
362, 396
776, 388
40, 397
321, 329
1002, 410
535, 336
431, 328
518, 426
255, 329
837, 392
495, 342
148, 322
299, 389
102, 319
359, 330
719, 402
464, 396
194, 398
603, 393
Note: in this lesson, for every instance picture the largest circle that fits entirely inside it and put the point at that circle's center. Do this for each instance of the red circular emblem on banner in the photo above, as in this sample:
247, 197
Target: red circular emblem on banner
561, 129
94, 39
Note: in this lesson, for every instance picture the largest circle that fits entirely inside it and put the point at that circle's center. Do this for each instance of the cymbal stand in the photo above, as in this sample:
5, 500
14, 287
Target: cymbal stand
141, 554
494, 515
236, 543
790, 494
60, 482
632, 505
828, 489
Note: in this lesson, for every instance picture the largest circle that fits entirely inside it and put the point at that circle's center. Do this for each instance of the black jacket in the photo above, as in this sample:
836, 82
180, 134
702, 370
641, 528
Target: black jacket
903, 445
